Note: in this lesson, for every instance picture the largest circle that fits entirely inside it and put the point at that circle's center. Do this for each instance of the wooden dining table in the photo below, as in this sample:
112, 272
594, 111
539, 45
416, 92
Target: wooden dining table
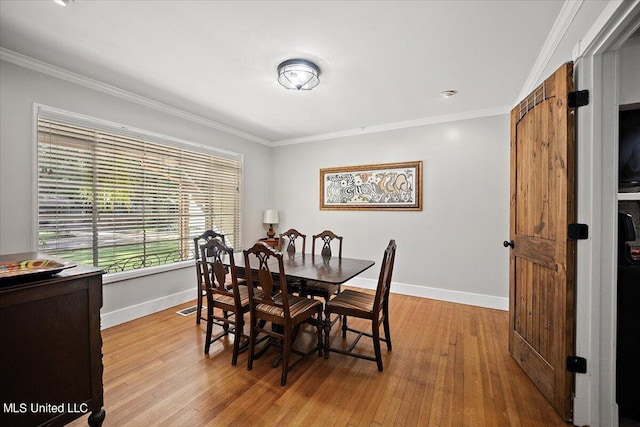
313, 267
304, 267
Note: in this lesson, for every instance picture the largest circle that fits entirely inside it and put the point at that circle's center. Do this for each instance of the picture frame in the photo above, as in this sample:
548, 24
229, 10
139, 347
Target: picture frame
384, 186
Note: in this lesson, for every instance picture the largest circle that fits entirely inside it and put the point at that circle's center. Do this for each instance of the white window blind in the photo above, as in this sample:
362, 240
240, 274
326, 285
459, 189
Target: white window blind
121, 202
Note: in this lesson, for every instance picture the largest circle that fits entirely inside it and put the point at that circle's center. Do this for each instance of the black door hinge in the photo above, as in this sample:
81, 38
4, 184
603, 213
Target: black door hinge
578, 98
577, 364
578, 231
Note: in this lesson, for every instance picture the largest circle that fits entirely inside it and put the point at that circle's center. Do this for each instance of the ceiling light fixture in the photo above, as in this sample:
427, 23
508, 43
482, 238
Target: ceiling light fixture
449, 93
298, 74
63, 2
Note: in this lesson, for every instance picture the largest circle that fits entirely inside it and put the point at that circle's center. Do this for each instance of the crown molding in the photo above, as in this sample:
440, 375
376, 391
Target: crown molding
57, 72
61, 73
566, 16
395, 126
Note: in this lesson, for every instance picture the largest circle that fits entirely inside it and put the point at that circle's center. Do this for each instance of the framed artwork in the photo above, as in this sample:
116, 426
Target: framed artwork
389, 186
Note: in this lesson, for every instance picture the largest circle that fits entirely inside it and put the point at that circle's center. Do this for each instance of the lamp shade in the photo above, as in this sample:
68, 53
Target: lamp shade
270, 216
298, 74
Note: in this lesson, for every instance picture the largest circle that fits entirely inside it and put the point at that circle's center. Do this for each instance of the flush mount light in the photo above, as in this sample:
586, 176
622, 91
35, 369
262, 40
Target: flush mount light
449, 93
63, 2
298, 74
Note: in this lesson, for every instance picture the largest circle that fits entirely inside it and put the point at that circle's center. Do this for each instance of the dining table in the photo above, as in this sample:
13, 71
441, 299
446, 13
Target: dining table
307, 267
303, 266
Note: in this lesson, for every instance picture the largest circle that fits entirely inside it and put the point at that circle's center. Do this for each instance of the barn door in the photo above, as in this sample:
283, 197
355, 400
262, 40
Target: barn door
542, 260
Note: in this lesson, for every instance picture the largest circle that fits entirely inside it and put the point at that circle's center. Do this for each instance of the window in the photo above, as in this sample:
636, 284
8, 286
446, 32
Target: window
122, 200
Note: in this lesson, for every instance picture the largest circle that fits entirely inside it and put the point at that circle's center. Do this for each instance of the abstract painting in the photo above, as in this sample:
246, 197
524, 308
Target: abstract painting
389, 186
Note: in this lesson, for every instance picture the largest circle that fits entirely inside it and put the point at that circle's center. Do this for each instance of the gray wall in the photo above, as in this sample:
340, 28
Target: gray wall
450, 250
20, 88
629, 92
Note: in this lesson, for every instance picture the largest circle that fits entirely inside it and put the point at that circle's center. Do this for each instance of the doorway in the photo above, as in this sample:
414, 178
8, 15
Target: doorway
628, 259
597, 70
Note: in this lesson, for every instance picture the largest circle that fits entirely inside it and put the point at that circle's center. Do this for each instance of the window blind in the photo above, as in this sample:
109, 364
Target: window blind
121, 202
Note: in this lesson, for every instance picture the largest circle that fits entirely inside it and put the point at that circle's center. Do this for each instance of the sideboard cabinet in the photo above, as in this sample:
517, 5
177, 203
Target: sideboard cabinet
50, 347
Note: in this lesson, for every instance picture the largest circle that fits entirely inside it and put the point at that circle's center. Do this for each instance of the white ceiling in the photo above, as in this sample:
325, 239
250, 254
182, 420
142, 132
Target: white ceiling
383, 63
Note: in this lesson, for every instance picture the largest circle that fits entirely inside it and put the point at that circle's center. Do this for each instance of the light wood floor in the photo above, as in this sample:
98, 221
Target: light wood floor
449, 366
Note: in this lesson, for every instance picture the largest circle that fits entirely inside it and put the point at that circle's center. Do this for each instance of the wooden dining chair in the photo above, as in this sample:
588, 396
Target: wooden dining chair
200, 287
351, 303
231, 303
288, 241
323, 289
274, 304
327, 237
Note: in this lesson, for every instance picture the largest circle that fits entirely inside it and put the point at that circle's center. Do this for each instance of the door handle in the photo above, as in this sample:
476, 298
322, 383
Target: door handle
506, 244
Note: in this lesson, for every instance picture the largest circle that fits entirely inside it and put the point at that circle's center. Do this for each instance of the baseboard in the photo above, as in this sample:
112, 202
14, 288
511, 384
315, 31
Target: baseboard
149, 307
468, 298
127, 314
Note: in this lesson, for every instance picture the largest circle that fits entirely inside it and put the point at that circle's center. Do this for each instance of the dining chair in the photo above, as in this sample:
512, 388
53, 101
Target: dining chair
351, 303
291, 236
323, 289
274, 304
327, 237
232, 303
202, 292
289, 239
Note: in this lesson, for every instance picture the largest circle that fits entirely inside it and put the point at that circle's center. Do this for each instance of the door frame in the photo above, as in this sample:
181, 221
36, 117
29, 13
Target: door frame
596, 69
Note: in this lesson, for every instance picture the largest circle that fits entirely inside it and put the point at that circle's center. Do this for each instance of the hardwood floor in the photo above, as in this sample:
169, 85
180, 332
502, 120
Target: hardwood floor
449, 366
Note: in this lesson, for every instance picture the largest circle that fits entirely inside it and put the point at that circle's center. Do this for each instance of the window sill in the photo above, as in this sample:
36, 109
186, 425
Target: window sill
148, 271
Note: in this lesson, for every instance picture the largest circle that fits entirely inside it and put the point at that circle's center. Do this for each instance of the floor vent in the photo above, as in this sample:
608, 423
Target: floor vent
188, 311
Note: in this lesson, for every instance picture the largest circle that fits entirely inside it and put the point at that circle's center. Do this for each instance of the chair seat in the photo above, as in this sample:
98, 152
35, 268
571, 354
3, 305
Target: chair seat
244, 296
297, 305
353, 300
321, 288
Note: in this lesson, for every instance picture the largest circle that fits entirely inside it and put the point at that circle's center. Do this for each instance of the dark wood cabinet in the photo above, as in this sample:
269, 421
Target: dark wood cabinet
51, 347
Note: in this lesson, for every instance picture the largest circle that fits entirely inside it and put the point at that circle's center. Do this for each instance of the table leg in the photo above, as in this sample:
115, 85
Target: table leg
327, 331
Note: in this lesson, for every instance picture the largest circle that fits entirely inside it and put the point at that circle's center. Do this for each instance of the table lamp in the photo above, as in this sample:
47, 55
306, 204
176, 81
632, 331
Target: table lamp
270, 217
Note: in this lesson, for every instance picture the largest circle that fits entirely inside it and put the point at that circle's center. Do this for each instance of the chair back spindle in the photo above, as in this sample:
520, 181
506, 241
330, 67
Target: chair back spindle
264, 278
292, 235
215, 272
384, 280
321, 289
327, 237
204, 238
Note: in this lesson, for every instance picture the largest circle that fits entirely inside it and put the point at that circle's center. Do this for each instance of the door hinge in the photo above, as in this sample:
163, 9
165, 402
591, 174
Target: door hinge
578, 231
578, 98
577, 364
